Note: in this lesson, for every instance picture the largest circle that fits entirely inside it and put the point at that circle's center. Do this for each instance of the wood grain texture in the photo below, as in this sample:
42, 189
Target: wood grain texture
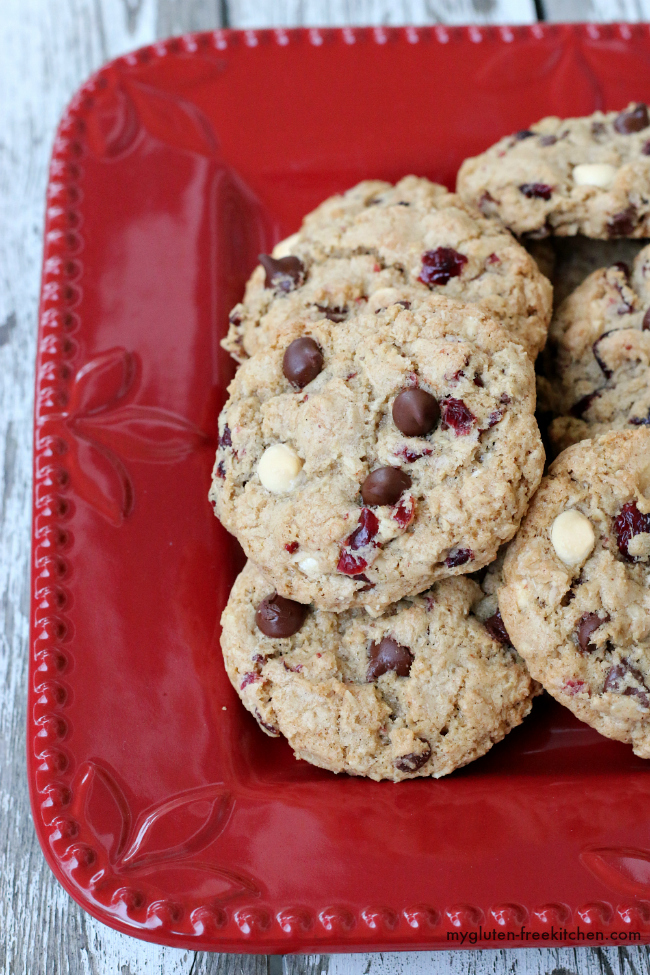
601, 10
49, 48
285, 13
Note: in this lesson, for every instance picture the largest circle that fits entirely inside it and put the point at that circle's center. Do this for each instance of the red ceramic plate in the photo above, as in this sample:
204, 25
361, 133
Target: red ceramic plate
160, 805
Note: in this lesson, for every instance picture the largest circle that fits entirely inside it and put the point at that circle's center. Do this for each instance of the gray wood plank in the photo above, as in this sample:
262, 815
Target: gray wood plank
597, 10
286, 13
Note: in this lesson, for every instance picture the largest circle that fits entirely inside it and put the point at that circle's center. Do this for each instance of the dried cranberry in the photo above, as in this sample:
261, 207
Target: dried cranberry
221, 470
387, 655
539, 191
493, 259
645, 148
408, 455
573, 687
478, 381
413, 761
622, 224
361, 537
366, 530
628, 523
583, 404
249, 679
292, 547
646, 321
440, 265
504, 398
459, 556
272, 730
640, 421
225, 440
404, 512
607, 372
623, 268
587, 624
457, 416
497, 629
234, 319
494, 418
547, 140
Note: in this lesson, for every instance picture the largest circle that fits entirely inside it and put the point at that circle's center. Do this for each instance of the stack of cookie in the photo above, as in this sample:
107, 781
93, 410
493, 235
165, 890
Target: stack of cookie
378, 445
379, 449
575, 594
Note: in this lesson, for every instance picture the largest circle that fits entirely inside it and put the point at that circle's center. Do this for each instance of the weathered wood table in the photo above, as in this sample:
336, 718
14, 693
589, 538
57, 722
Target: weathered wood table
48, 48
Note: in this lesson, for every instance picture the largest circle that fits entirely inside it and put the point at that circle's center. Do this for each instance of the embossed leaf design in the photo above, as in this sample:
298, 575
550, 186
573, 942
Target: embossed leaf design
102, 480
143, 433
173, 120
213, 883
178, 827
102, 382
622, 869
113, 127
100, 803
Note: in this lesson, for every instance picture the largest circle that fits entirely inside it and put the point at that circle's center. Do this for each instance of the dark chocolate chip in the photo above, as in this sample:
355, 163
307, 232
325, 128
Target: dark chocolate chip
616, 676
278, 617
333, 314
547, 140
415, 412
414, 761
646, 321
497, 629
225, 440
587, 623
633, 120
622, 224
387, 655
384, 486
284, 273
523, 134
645, 148
302, 362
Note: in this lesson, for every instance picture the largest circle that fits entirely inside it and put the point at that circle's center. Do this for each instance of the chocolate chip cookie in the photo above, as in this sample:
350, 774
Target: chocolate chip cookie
568, 176
576, 600
601, 338
357, 465
418, 691
376, 235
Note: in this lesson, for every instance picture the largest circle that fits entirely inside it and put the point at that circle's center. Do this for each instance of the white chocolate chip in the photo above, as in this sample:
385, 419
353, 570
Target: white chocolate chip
278, 468
572, 536
522, 596
594, 174
285, 247
309, 566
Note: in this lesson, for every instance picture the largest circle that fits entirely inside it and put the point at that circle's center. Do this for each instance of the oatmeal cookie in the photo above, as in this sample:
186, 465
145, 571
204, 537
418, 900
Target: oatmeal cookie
358, 465
601, 338
418, 691
576, 600
376, 235
586, 176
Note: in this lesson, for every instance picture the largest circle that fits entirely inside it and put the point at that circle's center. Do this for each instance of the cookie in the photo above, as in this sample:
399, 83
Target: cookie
586, 176
406, 451
576, 599
601, 339
418, 691
376, 235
